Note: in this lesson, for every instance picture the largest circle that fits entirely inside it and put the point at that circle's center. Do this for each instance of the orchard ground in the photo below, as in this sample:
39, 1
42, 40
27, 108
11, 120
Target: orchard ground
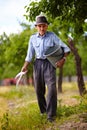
20, 102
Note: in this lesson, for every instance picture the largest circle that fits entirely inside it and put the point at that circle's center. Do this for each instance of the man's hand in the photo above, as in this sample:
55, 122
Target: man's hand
61, 62
25, 67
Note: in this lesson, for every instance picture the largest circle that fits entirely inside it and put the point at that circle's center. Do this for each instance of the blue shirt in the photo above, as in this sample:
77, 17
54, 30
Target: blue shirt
39, 44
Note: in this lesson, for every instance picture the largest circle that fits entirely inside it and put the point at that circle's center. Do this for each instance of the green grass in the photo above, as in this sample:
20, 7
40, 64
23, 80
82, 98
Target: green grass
23, 113
19, 92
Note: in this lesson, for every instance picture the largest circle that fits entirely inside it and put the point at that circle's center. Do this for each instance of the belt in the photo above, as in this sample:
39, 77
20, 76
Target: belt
41, 59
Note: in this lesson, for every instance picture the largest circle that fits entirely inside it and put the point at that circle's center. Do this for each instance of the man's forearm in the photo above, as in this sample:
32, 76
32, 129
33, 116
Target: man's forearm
25, 66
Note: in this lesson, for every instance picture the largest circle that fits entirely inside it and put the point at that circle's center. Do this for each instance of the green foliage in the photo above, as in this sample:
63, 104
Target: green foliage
65, 17
66, 111
14, 48
13, 52
19, 92
73, 11
13, 93
4, 45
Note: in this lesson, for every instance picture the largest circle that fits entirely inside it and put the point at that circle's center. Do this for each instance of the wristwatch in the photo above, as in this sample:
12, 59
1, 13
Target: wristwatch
64, 58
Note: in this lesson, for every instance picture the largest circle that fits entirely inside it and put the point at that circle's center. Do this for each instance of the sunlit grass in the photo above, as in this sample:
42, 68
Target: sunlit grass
3, 106
69, 86
19, 109
18, 92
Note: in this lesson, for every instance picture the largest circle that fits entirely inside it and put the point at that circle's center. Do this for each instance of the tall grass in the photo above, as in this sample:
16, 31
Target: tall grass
23, 112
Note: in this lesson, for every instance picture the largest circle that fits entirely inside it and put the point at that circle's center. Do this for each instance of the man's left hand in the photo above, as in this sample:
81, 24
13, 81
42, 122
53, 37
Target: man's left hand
61, 62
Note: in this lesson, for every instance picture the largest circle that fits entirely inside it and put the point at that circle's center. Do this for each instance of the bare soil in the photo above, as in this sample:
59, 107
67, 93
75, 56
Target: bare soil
78, 122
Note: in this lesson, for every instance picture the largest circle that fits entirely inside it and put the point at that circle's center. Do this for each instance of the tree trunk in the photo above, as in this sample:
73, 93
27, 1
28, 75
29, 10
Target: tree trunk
69, 78
79, 74
60, 80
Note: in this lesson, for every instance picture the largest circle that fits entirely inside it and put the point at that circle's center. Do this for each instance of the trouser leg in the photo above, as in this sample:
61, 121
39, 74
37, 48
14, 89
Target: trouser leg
39, 85
45, 74
50, 80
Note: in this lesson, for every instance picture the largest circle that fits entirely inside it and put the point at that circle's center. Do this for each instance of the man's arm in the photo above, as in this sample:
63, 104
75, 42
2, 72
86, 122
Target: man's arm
25, 66
61, 62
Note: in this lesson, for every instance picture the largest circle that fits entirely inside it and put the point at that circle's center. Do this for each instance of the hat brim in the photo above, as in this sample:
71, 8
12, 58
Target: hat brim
41, 23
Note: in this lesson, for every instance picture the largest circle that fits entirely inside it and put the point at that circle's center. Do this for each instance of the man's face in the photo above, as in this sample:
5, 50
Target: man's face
42, 28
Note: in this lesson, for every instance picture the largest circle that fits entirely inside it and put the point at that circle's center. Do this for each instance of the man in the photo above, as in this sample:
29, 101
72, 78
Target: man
44, 71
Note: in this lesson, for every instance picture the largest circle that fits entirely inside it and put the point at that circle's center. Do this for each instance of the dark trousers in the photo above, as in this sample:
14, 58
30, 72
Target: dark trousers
45, 74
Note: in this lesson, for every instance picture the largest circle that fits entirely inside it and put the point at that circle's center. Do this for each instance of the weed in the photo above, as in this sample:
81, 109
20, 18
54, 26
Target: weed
24, 114
5, 121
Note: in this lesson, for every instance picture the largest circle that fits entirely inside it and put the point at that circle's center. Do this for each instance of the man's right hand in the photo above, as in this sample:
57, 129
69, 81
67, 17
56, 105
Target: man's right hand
25, 67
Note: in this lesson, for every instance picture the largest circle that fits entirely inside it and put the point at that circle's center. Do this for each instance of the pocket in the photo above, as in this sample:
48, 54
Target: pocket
36, 44
48, 45
36, 47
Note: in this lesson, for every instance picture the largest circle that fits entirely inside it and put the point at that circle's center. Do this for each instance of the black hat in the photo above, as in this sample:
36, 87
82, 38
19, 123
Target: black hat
41, 20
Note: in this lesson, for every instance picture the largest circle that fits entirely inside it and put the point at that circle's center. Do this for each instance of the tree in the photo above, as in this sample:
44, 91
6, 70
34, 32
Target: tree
13, 50
80, 80
4, 44
72, 12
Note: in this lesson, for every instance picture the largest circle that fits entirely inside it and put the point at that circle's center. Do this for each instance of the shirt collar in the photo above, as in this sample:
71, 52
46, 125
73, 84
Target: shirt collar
41, 36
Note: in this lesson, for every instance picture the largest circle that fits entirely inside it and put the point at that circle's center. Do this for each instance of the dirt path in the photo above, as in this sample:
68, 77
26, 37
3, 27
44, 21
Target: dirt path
78, 122
69, 97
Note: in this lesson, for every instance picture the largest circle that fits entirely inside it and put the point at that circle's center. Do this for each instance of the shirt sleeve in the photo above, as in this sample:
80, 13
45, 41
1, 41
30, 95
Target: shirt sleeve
30, 51
58, 41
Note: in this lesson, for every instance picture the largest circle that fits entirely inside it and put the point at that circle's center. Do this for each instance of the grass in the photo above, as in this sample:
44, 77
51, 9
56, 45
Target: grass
19, 109
3, 106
